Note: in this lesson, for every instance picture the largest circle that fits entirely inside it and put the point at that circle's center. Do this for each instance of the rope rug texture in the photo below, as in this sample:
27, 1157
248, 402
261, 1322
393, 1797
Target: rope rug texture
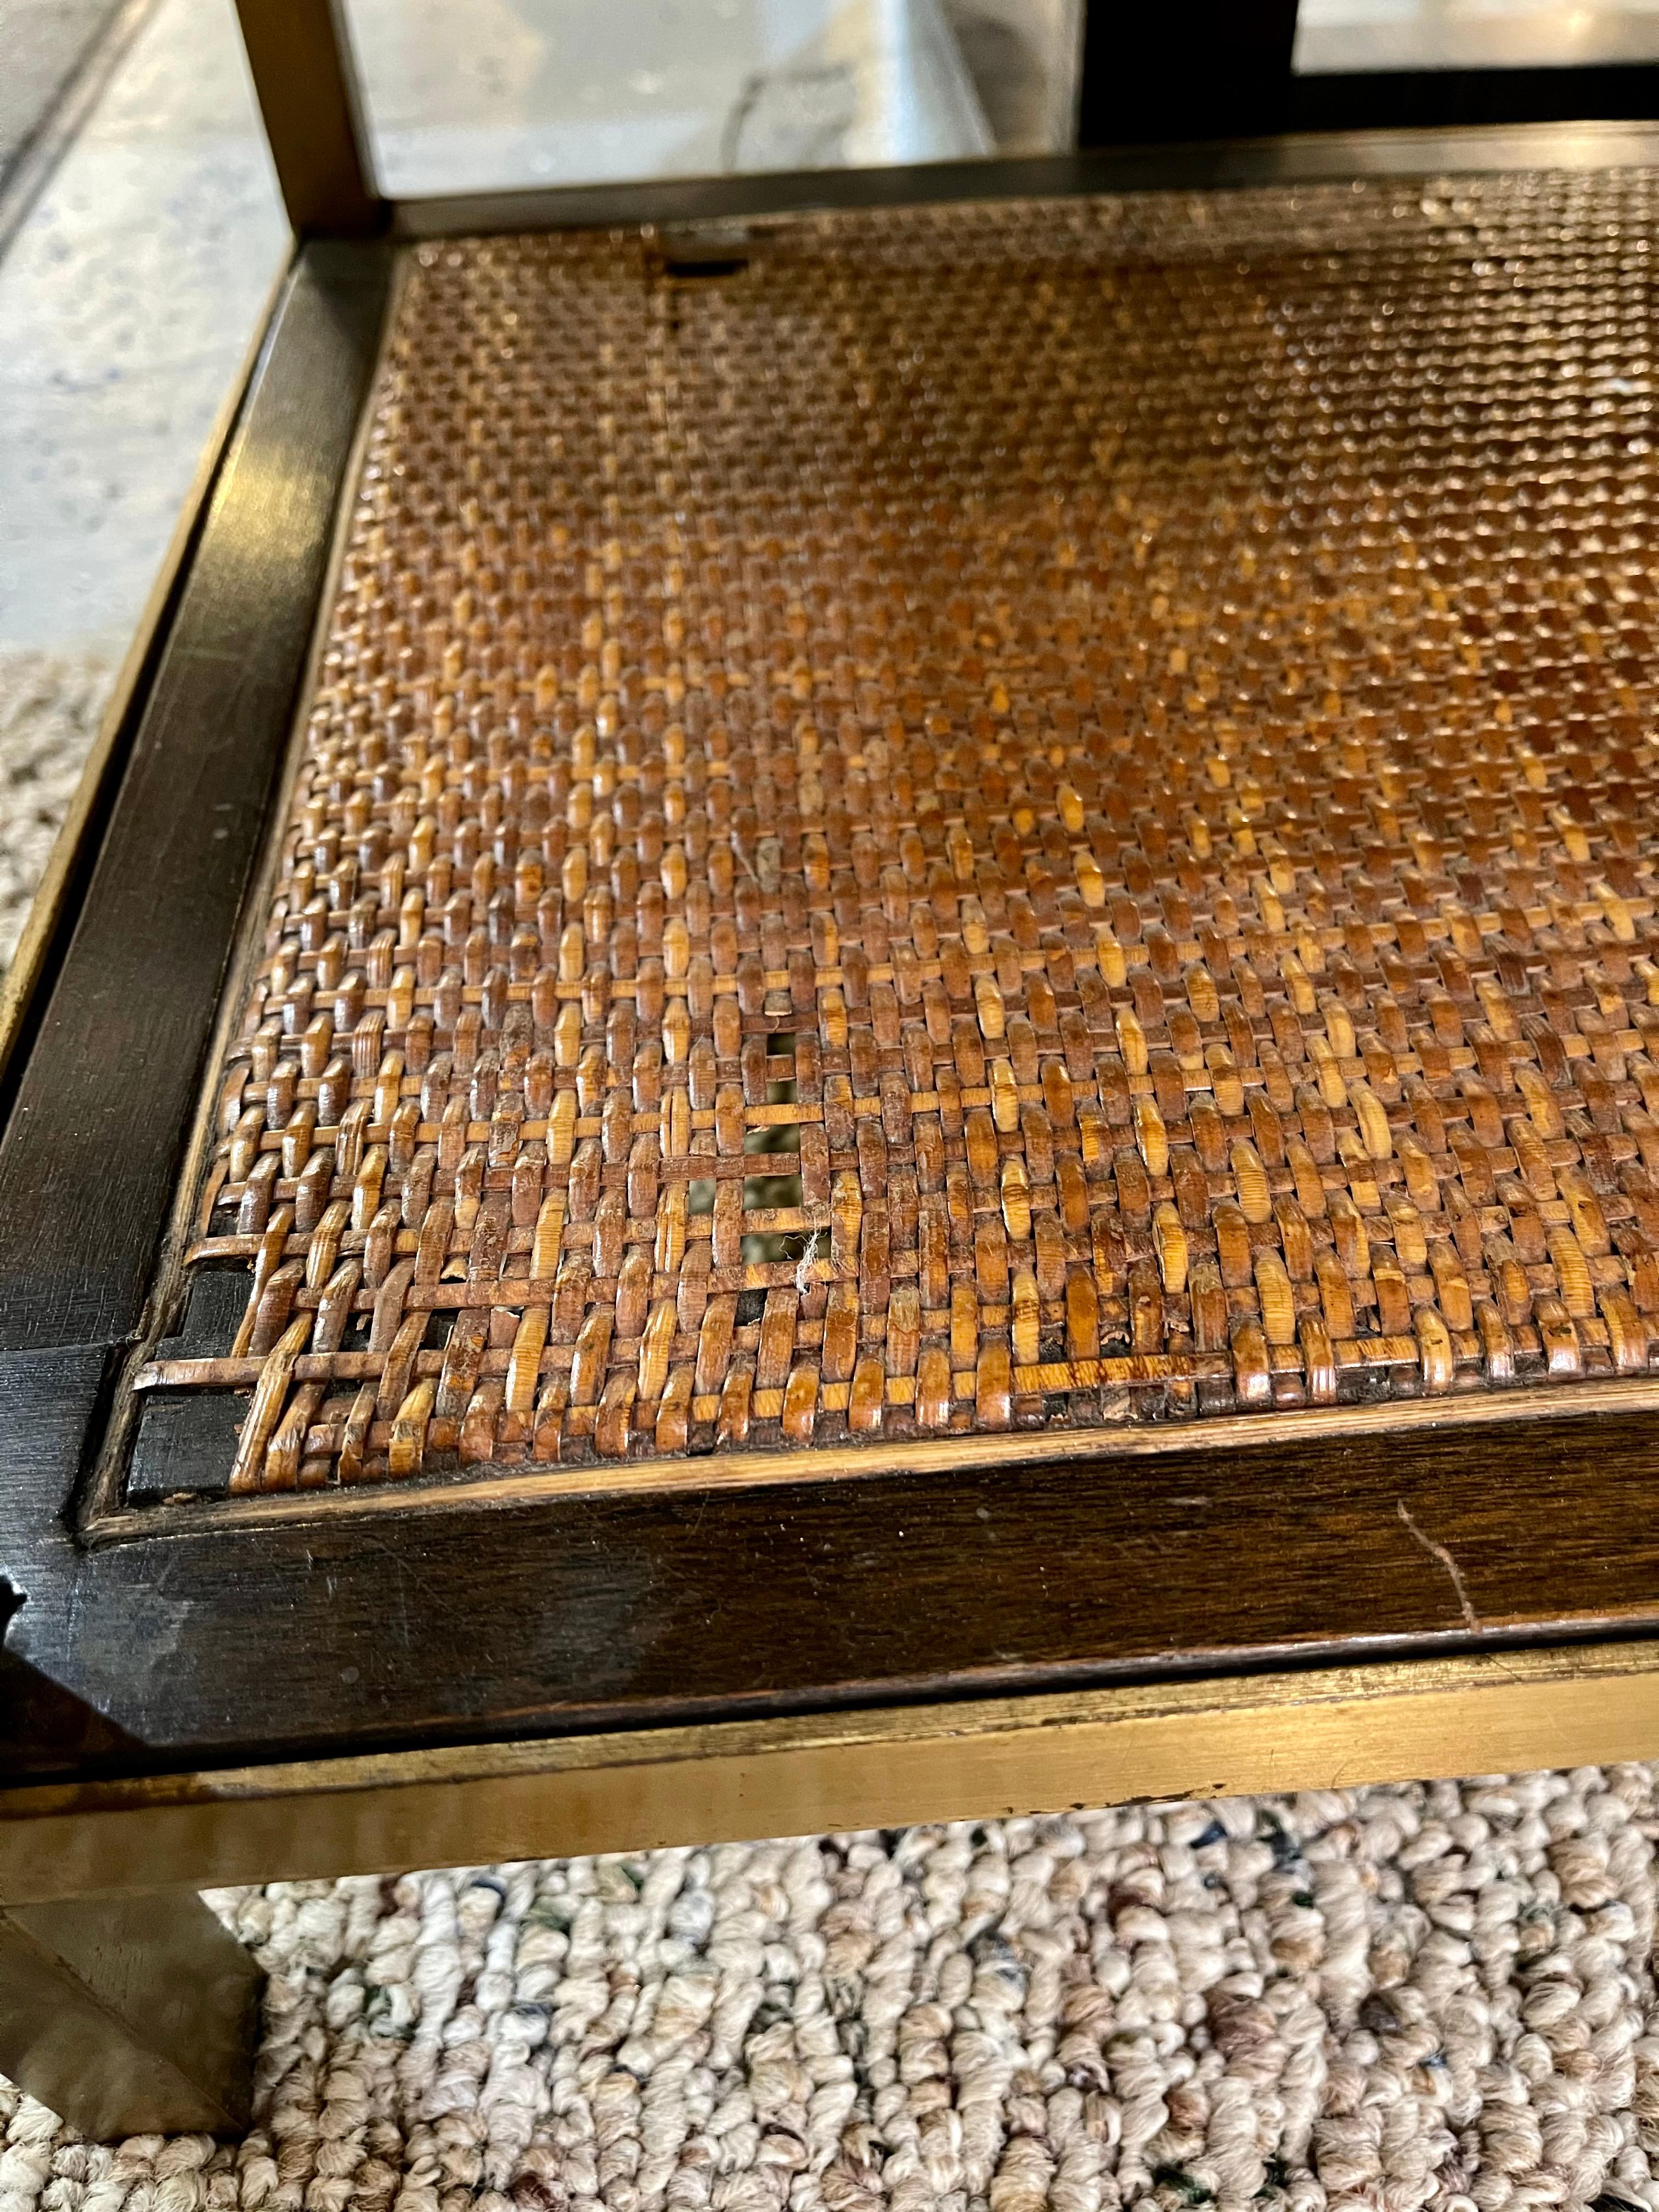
1429, 1995
50, 704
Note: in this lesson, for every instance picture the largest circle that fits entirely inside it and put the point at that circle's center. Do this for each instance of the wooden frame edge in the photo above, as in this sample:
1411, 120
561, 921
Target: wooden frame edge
1151, 73
1200, 1441
1472, 96
988, 1758
69, 1279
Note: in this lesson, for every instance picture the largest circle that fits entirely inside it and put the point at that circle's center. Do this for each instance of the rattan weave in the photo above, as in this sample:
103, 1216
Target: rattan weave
1122, 729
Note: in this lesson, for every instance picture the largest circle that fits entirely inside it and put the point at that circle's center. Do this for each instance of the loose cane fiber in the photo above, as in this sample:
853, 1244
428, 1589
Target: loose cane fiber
1120, 728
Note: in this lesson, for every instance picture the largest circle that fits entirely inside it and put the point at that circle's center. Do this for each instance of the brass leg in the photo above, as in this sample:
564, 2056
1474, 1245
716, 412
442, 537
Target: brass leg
129, 2015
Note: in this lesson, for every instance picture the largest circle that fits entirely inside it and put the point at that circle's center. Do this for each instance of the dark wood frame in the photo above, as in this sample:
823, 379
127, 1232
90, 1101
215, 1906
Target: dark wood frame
156, 1662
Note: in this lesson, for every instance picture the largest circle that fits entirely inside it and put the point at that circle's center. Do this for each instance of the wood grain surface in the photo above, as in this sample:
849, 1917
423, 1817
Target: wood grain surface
459, 1623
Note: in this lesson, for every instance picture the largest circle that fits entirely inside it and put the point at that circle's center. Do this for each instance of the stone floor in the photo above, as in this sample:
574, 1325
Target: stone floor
128, 299
45, 42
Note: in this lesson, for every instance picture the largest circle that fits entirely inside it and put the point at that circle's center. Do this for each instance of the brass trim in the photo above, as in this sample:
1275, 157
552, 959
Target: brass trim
986, 1758
299, 57
129, 2015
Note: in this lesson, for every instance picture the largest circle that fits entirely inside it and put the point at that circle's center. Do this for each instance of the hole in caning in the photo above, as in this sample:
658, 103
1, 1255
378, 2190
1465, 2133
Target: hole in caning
769, 1246
767, 1193
212, 1304
711, 250
700, 1194
773, 1137
770, 1193
781, 1089
683, 269
778, 1140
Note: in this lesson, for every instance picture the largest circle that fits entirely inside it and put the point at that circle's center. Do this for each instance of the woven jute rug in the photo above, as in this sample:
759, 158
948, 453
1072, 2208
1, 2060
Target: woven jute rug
50, 704
1431, 1995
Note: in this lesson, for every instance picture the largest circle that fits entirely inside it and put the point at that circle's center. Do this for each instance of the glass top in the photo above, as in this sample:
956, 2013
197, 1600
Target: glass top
1335, 36
525, 93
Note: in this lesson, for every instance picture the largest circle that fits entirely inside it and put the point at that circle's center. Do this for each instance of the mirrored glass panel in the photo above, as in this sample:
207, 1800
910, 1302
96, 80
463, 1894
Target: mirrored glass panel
495, 94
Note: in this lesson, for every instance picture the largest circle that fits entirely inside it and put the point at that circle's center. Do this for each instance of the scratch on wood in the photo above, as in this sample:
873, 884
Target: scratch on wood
1438, 1552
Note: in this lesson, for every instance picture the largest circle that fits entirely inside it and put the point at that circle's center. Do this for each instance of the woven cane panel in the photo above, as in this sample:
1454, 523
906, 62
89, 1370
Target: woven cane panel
968, 818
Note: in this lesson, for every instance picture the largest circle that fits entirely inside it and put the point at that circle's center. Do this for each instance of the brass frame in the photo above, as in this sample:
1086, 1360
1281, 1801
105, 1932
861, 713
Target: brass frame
985, 1759
299, 57
138, 2022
